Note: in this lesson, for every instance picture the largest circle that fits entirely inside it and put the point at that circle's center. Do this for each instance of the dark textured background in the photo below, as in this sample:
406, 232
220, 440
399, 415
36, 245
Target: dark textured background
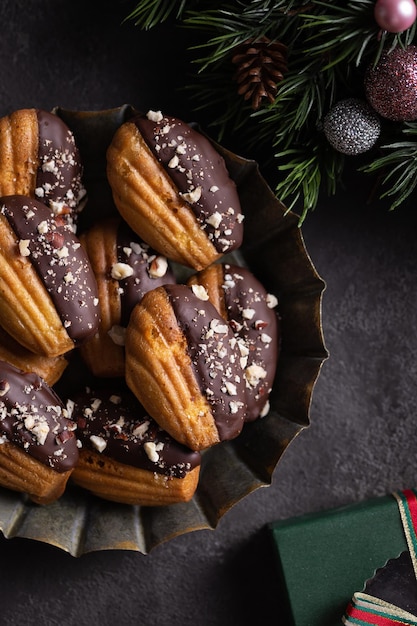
362, 438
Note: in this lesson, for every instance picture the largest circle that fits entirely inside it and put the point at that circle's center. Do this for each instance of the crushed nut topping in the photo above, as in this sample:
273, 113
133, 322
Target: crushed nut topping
155, 116
200, 292
59, 260
31, 418
24, 247
121, 270
99, 443
199, 174
150, 449
158, 267
271, 301
117, 426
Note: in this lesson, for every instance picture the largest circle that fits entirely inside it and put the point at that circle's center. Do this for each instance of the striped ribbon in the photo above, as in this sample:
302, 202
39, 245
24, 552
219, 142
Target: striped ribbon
365, 610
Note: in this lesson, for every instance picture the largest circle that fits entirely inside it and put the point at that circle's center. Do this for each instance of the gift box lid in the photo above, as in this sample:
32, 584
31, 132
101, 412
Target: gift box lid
324, 558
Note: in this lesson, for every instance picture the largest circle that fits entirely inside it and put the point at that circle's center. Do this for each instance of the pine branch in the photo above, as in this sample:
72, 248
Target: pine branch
148, 13
309, 171
345, 27
398, 167
225, 29
329, 45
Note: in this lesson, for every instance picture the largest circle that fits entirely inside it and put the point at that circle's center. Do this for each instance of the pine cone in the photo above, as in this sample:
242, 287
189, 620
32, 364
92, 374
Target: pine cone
261, 66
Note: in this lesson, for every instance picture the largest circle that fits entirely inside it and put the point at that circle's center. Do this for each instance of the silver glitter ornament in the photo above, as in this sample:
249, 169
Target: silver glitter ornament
391, 86
351, 126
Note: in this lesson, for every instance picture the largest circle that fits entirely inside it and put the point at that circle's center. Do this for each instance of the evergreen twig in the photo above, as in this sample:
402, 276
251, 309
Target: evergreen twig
149, 13
330, 44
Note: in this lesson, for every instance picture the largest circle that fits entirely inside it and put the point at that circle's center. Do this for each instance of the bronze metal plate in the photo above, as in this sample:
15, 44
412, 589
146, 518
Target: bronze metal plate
274, 250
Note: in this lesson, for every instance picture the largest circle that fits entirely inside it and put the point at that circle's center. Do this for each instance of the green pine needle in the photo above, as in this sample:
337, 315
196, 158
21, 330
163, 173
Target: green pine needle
148, 13
398, 167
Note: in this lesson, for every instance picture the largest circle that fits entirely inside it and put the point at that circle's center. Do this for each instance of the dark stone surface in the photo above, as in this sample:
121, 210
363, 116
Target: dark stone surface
363, 435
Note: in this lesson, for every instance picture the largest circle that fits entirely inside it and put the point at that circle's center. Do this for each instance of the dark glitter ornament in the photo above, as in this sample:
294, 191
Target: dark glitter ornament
351, 126
391, 86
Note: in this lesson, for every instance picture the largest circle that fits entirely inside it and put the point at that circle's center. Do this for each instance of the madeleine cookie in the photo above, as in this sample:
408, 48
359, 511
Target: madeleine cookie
182, 363
245, 304
125, 269
38, 449
125, 456
172, 187
48, 292
39, 158
48, 368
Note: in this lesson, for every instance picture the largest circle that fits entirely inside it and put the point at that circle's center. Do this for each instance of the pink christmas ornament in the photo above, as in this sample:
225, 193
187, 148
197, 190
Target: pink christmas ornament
391, 85
395, 16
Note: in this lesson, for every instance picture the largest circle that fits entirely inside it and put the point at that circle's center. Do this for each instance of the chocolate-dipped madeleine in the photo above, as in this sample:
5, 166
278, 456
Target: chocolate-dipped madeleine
182, 363
48, 292
173, 188
38, 448
125, 456
125, 269
39, 158
250, 310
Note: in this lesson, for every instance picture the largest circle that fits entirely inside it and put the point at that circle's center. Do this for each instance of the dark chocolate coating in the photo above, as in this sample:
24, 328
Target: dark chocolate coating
256, 324
34, 418
214, 356
124, 428
139, 256
192, 162
59, 260
59, 174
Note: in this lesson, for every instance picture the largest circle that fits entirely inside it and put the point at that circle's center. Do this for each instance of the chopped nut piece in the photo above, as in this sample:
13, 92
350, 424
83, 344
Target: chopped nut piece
24, 247
99, 443
150, 449
234, 406
43, 227
271, 301
260, 324
192, 196
254, 374
140, 430
69, 278
121, 270
154, 116
174, 162
214, 219
200, 292
217, 327
38, 427
231, 388
158, 267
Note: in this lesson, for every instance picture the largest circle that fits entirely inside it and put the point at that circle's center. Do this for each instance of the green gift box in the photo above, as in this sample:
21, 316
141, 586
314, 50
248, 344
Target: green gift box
324, 558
